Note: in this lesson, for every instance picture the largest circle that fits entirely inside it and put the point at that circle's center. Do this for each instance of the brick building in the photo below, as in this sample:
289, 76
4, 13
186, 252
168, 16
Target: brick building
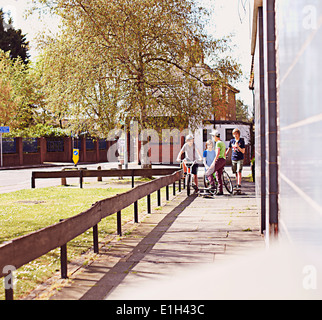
225, 103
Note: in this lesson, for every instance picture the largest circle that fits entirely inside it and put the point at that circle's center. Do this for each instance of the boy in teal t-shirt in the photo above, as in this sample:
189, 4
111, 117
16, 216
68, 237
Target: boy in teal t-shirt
218, 164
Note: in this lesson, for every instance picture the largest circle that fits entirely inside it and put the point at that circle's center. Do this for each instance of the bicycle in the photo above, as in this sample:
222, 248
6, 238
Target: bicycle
189, 164
226, 181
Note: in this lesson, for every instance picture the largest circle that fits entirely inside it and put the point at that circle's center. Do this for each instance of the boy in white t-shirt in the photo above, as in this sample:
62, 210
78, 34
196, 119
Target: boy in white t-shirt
191, 153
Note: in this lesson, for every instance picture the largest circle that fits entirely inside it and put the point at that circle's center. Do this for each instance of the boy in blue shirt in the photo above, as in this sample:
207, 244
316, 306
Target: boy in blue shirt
209, 154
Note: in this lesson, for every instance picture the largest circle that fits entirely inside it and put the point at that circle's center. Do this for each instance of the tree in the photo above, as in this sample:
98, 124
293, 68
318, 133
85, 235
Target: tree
242, 111
134, 59
13, 40
19, 99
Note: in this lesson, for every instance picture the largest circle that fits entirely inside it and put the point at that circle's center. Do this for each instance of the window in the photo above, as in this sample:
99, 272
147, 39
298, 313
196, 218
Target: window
102, 144
205, 135
9, 145
30, 145
55, 145
90, 144
229, 134
77, 144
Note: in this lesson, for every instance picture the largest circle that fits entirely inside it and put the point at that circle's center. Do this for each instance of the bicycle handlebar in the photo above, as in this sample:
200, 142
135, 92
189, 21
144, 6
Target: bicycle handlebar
188, 162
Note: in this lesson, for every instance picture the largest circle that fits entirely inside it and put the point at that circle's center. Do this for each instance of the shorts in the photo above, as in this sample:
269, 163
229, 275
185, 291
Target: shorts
237, 165
194, 169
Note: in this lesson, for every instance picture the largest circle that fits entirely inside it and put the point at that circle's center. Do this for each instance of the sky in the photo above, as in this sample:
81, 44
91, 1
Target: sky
227, 17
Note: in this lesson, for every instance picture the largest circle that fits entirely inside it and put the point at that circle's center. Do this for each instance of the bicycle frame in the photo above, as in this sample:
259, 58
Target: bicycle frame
188, 166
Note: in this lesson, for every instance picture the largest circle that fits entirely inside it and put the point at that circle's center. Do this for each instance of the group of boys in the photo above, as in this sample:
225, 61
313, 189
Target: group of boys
214, 158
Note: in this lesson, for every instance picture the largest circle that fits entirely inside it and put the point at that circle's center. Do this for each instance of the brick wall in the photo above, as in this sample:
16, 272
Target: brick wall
22, 151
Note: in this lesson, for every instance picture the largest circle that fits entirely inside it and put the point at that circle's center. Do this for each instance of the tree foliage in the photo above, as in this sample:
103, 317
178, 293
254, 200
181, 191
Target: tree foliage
12, 86
22, 104
131, 59
21, 99
242, 113
13, 40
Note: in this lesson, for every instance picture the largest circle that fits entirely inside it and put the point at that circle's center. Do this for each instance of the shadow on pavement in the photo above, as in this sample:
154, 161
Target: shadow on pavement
122, 268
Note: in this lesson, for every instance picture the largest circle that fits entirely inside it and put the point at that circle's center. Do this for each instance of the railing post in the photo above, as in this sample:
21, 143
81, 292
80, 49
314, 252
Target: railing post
98, 169
174, 188
149, 203
33, 182
81, 179
136, 218
63, 180
159, 198
8, 285
9, 294
132, 178
179, 185
167, 193
119, 223
63, 261
95, 239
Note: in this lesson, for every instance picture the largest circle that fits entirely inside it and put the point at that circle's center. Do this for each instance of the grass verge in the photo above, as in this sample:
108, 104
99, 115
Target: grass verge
26, 211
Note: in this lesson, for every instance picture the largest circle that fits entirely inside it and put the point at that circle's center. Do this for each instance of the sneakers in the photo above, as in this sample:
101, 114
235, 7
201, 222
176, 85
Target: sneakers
195, 188
237, 189
218, 193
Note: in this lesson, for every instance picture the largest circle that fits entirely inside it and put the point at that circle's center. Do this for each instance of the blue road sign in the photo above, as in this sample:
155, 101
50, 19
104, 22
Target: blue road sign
4, 129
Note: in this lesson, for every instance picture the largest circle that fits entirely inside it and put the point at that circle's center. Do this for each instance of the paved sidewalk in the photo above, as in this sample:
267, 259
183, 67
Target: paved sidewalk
184, 235
207, 232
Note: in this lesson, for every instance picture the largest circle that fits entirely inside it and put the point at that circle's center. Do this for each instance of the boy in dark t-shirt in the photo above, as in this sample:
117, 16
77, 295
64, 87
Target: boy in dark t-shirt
237, 157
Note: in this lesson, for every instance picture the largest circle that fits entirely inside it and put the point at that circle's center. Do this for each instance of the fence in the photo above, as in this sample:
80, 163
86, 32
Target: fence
31, 151
22, 250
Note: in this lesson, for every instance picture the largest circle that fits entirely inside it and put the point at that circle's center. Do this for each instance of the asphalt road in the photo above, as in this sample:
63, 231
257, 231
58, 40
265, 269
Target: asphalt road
19, 179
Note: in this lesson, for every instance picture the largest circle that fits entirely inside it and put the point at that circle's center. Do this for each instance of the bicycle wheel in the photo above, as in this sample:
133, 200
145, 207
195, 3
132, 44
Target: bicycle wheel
215, 187
227, 182
188, 184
